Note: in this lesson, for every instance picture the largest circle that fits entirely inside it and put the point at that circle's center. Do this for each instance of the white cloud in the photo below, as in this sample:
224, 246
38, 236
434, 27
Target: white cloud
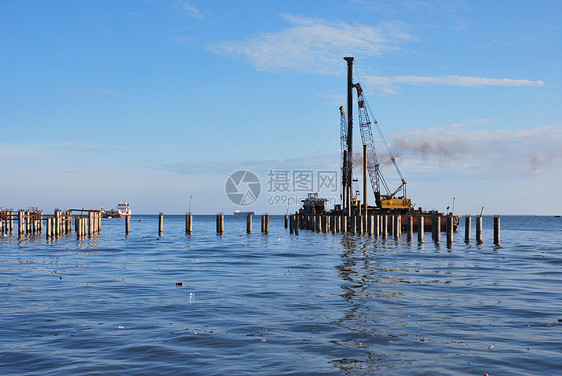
189, 9
471, 122
314, 45
465, 81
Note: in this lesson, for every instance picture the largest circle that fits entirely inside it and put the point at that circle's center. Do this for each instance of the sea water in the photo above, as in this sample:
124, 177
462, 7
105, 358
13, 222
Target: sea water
281, 304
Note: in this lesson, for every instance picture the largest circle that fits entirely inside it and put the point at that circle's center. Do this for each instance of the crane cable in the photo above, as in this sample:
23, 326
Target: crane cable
369, 112
391, 156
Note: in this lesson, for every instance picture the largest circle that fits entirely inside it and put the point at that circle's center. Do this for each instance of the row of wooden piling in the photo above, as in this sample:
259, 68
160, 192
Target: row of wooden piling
30, 222
220, 223
373, 225
386, 225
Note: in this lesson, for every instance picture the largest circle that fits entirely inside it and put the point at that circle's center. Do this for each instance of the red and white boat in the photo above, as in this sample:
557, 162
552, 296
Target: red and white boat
123, 210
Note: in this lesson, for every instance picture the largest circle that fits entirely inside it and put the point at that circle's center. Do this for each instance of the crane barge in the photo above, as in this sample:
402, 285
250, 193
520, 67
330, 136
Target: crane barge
387, 202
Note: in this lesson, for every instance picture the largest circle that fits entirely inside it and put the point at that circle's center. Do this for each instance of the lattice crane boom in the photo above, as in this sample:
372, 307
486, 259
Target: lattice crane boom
387, 200
373, 166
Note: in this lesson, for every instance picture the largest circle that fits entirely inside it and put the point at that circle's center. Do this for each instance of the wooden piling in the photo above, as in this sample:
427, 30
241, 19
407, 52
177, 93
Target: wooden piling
265, 223
160, 224
436, 229
410, 225
127, 224
286, 220
188, 223
497, 230
220, 223
56, 223
479, 230
77, 226
20, 223
449, 229
467, 224
359, 224
53, 232
420, 229
384, 227
291, 224
249, 223
433, 226
297, 224
68, 222
48, 234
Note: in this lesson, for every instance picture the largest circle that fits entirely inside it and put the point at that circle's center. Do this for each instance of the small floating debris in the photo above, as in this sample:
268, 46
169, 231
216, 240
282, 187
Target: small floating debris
120, 327
179, 284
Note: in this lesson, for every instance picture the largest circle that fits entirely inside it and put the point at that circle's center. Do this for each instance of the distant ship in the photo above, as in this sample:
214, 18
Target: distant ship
244, 213
122, 211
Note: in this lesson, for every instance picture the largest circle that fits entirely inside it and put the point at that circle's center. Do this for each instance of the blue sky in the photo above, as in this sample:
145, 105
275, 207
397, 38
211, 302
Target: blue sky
156, 101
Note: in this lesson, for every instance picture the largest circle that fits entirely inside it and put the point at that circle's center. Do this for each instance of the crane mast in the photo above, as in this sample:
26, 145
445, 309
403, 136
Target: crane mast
349, 138
345, 169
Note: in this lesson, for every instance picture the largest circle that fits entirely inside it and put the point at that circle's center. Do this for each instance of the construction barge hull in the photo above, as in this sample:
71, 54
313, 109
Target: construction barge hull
427, 221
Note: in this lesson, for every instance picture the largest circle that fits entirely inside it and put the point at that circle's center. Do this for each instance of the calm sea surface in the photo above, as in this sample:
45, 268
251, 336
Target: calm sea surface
281, 304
